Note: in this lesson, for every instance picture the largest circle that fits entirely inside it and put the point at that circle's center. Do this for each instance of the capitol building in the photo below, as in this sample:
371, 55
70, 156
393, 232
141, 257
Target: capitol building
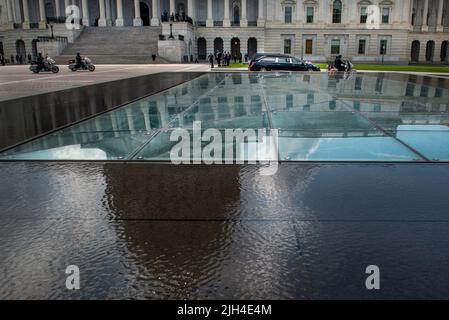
122, 31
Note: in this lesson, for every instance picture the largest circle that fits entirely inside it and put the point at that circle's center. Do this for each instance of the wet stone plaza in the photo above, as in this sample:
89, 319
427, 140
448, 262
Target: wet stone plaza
362, 180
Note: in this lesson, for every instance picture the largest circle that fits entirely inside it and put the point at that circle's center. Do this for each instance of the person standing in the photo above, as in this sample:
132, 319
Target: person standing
29, 58
2, 60
12, 59
17, 59
211, 60
219, 56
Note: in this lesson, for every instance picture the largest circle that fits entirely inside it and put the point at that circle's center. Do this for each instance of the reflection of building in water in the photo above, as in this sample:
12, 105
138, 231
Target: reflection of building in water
182, 232
405, 30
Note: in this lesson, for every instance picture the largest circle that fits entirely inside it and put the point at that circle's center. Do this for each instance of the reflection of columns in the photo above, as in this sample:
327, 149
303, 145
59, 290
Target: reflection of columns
215, 111
209, 20
440, 16
102, 20
130, 117
226, 21
26, 15
154, 13
243, 21
162, 112
119, 22
137, 22
425, 27
42, 17
191, 9
86, 20
114, 124
146, 115
172, 7
58, 8
260, 17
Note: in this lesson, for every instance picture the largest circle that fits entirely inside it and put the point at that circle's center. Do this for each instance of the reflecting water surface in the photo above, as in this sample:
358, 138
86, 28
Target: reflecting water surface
207, 232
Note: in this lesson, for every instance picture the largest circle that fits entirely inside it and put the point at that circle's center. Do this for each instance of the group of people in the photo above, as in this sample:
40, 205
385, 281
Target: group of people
178, 16
17, 59
224, 59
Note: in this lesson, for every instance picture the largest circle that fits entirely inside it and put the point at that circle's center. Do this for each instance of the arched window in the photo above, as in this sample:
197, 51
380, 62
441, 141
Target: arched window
430, 47
336, 11
202, 48
415, 51
444, 51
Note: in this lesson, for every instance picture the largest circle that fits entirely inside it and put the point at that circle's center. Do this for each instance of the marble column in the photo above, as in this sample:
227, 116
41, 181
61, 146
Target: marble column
440, 27
209, 20
244, 20
86, 19
155, 16
42, 16
425, 26
102, 21
226, 21
137, 22
108, 8
260, 16
57, 8
191, 9
26, 15
172, 7
10, 13
119, 22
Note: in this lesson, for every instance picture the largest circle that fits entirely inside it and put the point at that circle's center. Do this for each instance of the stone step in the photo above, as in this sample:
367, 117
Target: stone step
115, 45
114, 59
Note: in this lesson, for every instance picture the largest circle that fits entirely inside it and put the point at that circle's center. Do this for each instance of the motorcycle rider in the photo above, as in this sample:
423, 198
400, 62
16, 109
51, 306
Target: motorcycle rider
79, 61
339, 64
40, 61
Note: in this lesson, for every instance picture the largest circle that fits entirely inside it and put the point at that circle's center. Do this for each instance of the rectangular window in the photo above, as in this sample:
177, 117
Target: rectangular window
383, 46
385, 15
336, 12
362, 46
309, 46
363, 15
288, 15
358, 83
287, 46
309, 15
356, 105
335, 46
410, 90
379, 84
438, 92
424, 91
289, 101
310, 98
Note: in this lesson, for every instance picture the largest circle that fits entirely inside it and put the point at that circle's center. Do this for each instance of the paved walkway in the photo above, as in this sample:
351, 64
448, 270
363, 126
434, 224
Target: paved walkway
19, 81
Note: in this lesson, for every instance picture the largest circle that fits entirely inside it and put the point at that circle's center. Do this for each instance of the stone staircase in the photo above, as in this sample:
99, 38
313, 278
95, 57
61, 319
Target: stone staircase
115, 45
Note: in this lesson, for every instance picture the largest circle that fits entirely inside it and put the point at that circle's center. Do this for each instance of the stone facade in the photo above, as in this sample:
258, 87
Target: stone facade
396, 31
